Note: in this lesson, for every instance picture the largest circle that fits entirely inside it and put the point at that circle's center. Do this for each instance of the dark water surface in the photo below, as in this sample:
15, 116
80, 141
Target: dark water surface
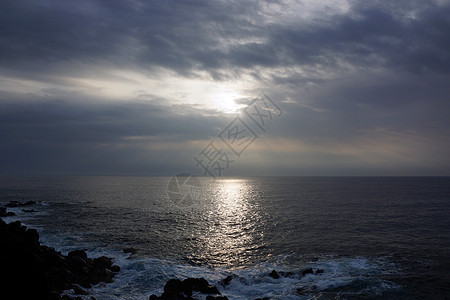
374, 237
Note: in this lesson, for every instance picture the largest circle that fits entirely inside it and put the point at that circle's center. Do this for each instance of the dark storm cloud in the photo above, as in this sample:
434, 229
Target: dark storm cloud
187, 36
175, 35
380, 67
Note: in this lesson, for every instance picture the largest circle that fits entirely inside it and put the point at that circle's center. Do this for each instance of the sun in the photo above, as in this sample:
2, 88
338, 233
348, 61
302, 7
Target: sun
225, 100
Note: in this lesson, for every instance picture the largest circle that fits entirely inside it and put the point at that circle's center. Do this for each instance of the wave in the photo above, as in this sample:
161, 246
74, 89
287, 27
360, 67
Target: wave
140, 276
341, 278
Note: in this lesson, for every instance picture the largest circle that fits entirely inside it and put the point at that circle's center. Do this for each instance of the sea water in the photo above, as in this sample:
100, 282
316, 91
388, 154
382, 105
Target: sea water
373, 237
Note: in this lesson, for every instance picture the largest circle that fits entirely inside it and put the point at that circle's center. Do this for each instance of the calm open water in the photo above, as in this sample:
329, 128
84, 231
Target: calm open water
374, 237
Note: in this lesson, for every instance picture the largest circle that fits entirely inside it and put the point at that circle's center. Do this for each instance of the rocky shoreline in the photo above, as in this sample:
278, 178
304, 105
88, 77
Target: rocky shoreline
189, 288
176, 289
35, 271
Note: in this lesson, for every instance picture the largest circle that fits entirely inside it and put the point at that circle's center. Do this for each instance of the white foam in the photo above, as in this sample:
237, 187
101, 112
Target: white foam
139, 278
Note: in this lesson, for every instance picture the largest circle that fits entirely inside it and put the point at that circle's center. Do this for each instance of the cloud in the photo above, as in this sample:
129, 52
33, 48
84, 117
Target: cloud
114, 86
187, 36
57, 136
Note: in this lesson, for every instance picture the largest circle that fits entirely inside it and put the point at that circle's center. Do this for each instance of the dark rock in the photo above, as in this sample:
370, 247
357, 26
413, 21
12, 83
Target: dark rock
274, 274
29, 210
17, 226
286, 274
177, 289
307, 271
319, 271
131, 250
33, 236
107, 275
302, 291
19, 204
78, 253
34, 271
14, 204
103, 262
200, 285
54, 295
78, 263
79, 291
209, 297
115, 268
227, 280
173, 286
4, 213
66, 297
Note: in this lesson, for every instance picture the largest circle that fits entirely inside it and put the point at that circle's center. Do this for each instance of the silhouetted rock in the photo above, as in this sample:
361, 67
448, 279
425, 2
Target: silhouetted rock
227, 280
131, 250
115, 268
13, 204
307, 271
286, 274
220, 297
302, 291
200, 285
77, 253
274, 274
79, 291
34, 271
176, 289
319, 271
29, 210
19, 204
173, 286
103, 262
4, 213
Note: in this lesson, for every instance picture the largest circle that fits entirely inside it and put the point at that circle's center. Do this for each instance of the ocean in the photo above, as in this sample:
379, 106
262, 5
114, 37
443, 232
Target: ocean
373, 237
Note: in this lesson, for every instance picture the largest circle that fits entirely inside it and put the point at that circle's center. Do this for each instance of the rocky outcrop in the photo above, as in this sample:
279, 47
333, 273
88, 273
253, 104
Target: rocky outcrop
34, 271
307, 271
4, 213
131, 250
176, 289
19, 204
227, 280
274, 274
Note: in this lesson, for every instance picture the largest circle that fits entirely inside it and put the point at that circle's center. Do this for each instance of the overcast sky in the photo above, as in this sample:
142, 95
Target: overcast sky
142, 87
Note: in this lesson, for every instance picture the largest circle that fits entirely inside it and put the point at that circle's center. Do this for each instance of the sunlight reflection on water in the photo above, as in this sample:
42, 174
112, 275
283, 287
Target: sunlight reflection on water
232, 217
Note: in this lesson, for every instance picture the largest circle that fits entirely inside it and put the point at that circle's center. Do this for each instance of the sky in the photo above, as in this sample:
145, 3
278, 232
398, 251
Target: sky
106, 87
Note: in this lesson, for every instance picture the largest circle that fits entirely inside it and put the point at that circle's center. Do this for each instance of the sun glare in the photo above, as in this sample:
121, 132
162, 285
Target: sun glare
225, 101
